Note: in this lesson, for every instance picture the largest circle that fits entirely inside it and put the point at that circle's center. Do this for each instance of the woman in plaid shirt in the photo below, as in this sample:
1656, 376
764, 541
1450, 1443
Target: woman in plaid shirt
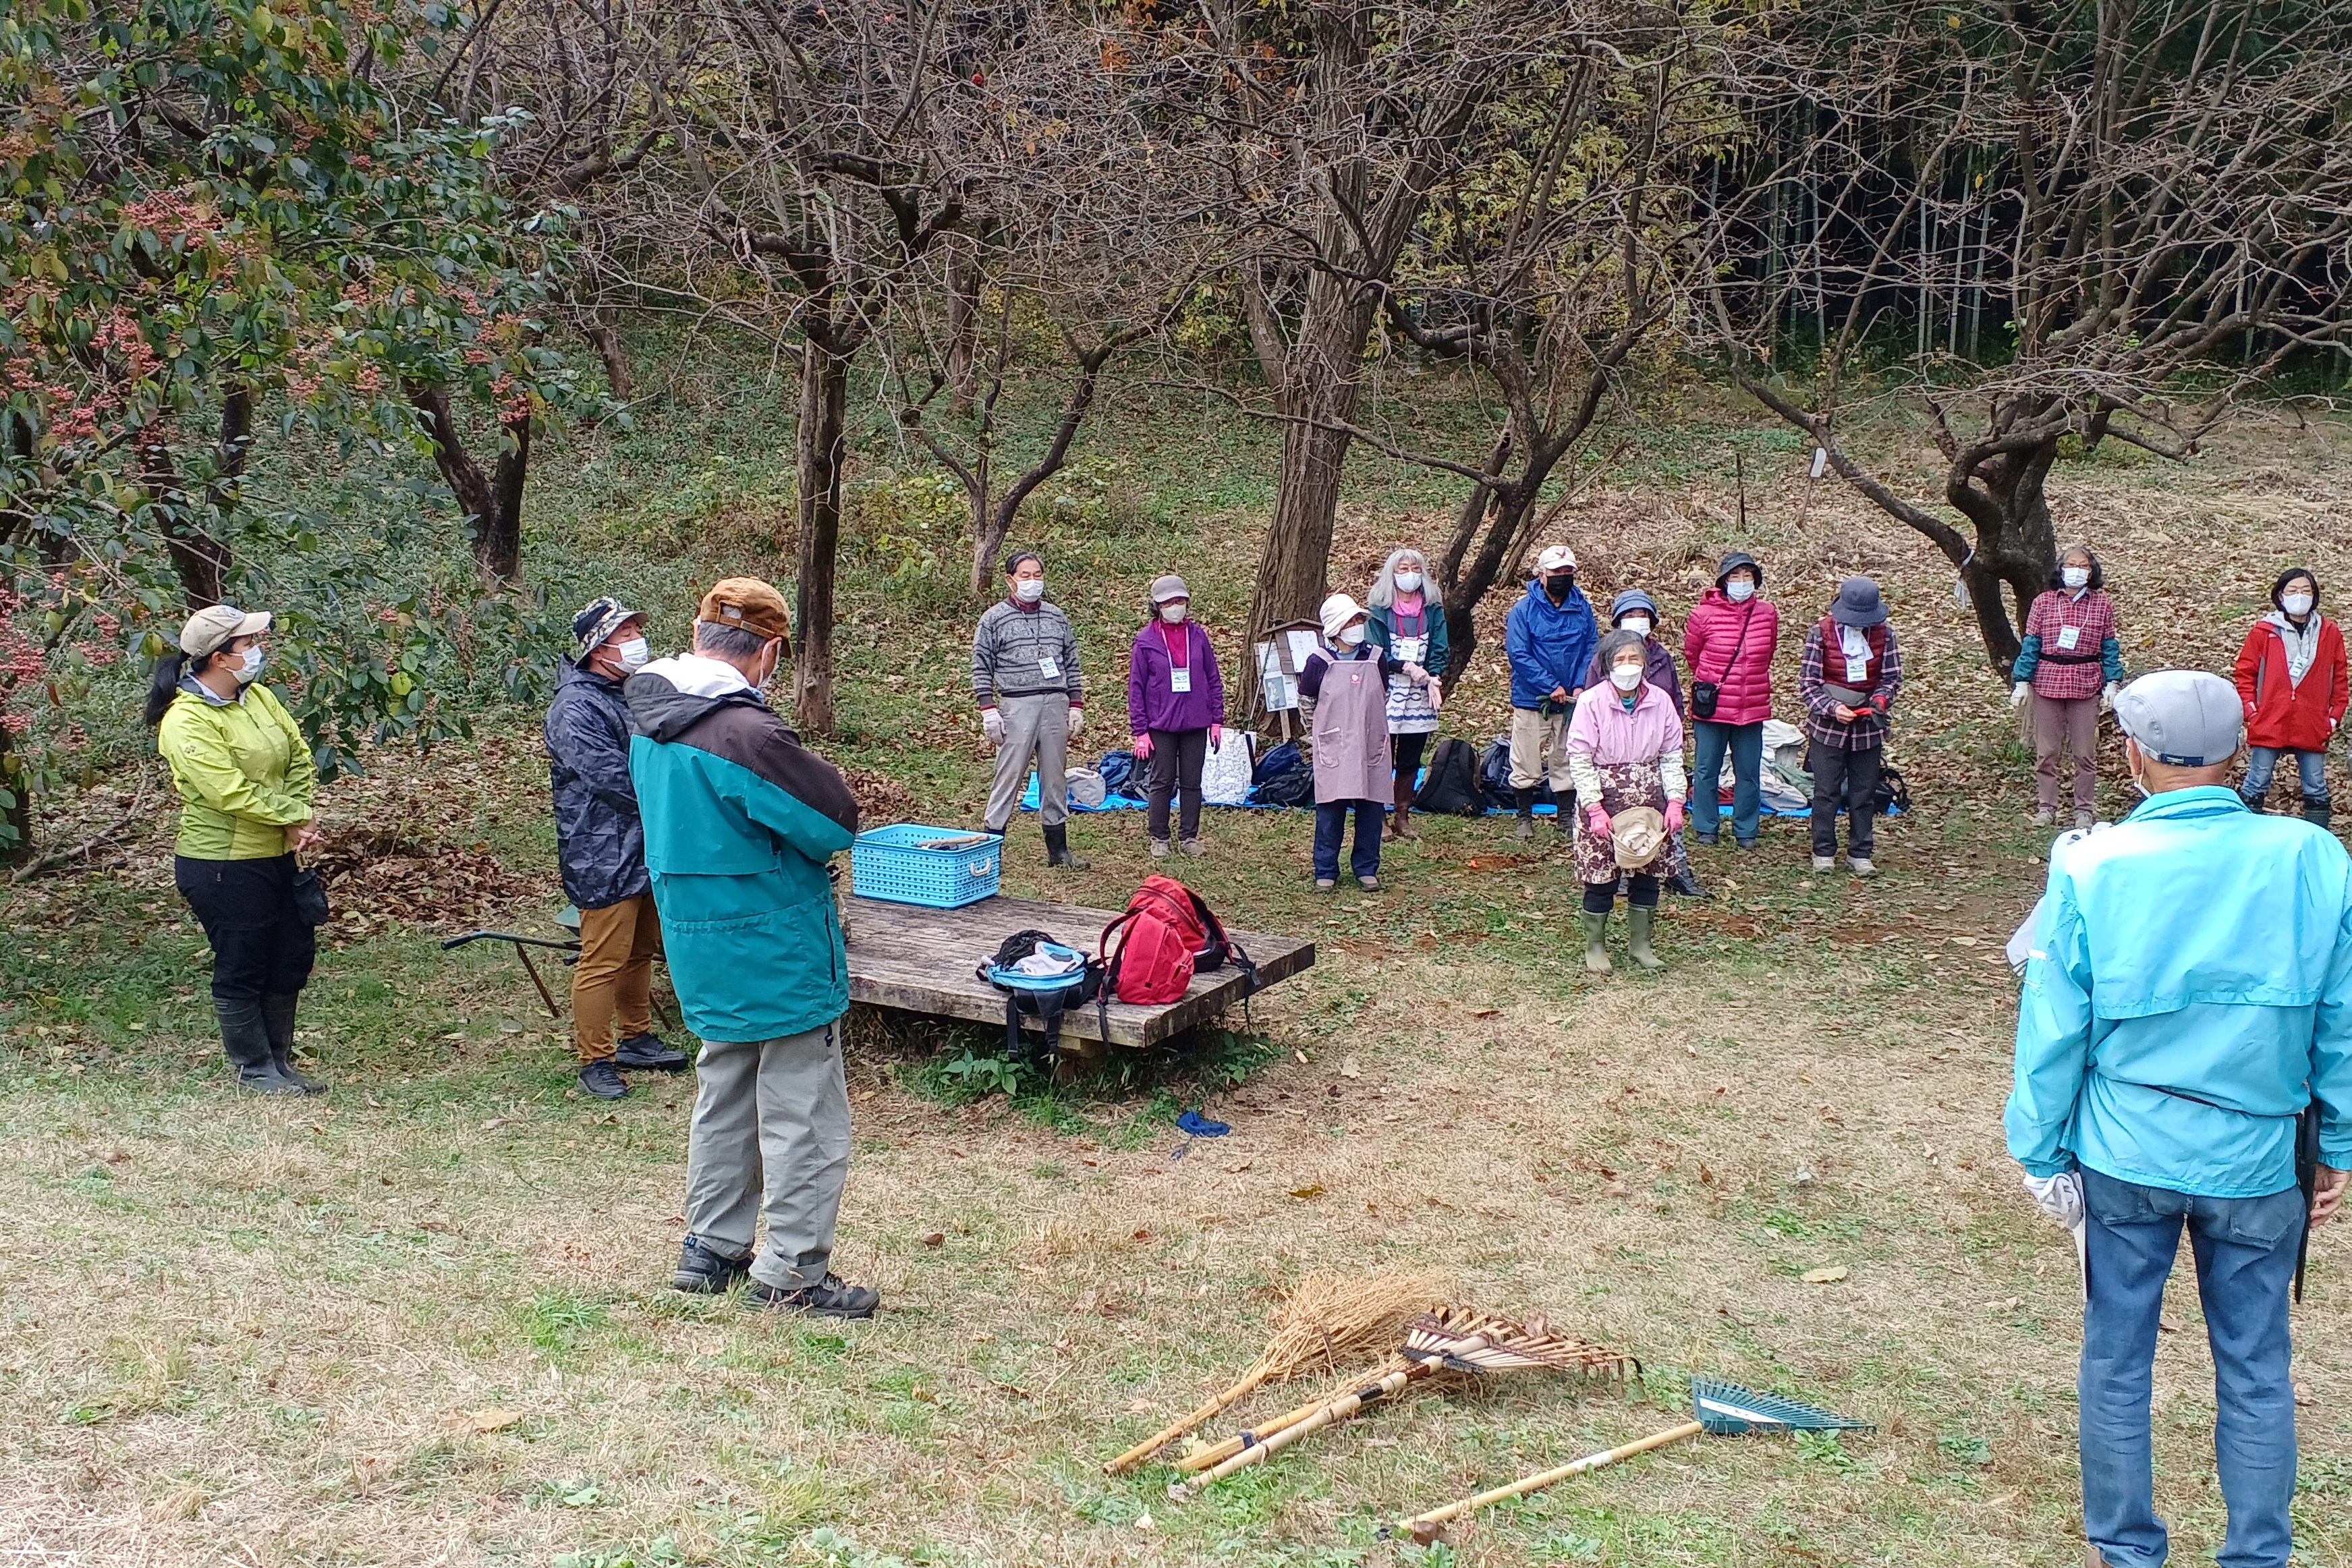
2069, 664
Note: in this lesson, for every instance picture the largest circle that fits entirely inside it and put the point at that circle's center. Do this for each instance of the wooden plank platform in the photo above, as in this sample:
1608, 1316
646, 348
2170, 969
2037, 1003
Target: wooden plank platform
921, 961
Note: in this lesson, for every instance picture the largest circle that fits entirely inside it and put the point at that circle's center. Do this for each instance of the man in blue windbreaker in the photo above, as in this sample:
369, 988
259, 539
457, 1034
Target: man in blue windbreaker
2187, 994
739, 822
1550, 636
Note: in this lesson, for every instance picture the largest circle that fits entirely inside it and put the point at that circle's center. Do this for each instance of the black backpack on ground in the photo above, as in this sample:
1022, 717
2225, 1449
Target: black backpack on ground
1451, 787
1283, 778
1892, 795
1495, 778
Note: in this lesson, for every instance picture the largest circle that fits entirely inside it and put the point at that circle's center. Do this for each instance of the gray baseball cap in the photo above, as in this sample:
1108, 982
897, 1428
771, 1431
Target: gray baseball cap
2183, 718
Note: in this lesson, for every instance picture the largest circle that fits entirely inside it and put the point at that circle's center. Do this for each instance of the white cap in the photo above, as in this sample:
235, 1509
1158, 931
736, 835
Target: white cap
1338, 611
217, 626
1555, 558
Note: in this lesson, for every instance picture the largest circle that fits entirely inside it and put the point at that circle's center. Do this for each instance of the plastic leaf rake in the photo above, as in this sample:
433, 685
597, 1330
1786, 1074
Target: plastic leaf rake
1725, 1409
1458, 1341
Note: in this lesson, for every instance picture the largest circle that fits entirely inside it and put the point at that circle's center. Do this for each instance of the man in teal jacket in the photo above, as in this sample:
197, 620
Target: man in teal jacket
739, 821
2187, 994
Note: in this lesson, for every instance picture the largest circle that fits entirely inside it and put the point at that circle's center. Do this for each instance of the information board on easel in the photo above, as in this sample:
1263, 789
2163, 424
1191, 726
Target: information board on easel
1281, 658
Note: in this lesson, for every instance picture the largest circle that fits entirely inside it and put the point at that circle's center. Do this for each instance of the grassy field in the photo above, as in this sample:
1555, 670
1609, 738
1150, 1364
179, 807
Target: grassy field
425, 1320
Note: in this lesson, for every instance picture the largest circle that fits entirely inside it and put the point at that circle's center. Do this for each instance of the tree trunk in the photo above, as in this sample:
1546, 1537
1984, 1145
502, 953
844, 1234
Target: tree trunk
2016, 543
492, 507
604, 337
963, 325
201, 560
825, 406
1320, 383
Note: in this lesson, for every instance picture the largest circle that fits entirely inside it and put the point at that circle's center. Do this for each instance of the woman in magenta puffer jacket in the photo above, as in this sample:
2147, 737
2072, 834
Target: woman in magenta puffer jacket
1728, 645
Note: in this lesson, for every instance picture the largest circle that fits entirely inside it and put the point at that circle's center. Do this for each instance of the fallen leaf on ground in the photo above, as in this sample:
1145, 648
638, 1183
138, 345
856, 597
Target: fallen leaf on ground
493, 1419
937, 1238
1829, 1276
1238, 1169
1311, 1190
1349, 1069
2168, 1323
1137, 1407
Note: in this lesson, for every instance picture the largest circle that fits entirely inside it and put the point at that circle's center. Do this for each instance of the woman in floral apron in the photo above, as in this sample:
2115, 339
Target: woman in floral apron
1407, 625
1624, 750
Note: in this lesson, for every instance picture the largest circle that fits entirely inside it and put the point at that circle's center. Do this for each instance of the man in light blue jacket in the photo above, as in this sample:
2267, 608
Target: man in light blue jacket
2188, 994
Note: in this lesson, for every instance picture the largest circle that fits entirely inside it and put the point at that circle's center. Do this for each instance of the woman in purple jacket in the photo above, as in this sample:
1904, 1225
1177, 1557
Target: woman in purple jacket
1175, 711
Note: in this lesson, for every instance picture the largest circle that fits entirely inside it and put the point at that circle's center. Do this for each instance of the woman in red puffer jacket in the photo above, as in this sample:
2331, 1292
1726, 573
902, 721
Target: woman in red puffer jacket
1728, 644
2291, 675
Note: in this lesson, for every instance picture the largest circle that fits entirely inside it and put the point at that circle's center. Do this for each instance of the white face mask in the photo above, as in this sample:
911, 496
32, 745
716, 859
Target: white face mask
1625, 676
1739, 590
1638, 625
2074, 576
635, 654
1172, 614
1351, 636
2295, 604
1408, 582
249, 670
1029, 590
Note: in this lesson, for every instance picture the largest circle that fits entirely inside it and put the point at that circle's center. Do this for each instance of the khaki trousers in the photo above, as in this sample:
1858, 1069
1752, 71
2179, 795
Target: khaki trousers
1036, 734
1539, 751
770, 1139
619, 944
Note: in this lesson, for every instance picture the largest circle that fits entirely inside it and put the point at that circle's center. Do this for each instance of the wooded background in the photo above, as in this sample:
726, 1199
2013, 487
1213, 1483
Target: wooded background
424, 232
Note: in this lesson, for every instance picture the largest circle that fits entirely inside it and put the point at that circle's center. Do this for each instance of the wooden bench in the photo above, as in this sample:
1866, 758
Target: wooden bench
921, 961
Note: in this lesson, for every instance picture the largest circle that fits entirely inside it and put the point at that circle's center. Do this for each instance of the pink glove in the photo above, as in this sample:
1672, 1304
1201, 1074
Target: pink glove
1142, 748
1216, 737
1597, 820
1673, 816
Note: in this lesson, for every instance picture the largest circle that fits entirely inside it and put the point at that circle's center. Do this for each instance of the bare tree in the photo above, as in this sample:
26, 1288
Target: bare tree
1334, 122
2103, 222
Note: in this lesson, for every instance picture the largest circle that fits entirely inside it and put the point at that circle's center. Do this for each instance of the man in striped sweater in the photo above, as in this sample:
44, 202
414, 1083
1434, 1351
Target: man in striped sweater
1031, 700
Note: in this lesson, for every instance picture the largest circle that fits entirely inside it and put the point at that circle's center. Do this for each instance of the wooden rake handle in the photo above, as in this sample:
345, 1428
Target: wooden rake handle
1183, 1424
1422, 1527
1339, 1409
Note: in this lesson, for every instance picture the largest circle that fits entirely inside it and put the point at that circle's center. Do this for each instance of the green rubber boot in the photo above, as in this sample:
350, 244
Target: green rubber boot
1596, 942
1639, 921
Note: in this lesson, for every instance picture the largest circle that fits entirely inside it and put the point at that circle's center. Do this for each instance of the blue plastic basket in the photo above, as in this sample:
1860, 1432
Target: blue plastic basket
886, 864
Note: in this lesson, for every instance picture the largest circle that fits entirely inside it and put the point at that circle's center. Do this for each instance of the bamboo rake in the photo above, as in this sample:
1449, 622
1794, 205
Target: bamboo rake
1423, 1528
1329, 1317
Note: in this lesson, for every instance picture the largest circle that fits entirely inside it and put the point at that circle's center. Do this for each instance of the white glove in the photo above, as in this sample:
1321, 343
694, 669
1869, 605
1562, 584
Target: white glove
1078, 720
2107, 695
2059, 1196
2020, 692
991, 727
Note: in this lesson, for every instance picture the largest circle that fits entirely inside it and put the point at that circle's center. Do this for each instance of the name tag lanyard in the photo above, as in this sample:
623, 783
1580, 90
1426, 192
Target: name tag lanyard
1179, 660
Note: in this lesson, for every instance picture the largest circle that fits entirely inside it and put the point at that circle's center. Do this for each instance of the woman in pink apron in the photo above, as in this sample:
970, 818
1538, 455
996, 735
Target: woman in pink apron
1624, 750
1346, 682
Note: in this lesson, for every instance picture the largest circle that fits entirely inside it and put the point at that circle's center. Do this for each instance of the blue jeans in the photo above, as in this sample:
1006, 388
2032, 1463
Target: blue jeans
2262, 762
2245, 1251
1331, 825
1746, 744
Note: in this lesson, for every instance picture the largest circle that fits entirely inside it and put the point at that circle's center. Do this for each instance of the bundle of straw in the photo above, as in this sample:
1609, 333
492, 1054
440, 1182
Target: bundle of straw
1457, 1340
1328, 1318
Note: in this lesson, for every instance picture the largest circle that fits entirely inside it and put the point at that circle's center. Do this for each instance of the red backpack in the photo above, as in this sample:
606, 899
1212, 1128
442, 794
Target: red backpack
1168, 935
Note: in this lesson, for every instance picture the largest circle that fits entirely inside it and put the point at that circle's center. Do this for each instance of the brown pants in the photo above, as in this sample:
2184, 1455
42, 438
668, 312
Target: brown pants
619, 944
2072, 725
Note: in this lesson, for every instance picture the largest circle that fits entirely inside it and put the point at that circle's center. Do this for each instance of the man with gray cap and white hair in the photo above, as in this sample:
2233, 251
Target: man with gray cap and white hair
2184, 1060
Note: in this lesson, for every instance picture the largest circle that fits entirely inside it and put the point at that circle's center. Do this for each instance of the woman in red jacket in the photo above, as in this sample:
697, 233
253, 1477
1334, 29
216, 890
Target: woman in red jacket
2291, 675
1728, 644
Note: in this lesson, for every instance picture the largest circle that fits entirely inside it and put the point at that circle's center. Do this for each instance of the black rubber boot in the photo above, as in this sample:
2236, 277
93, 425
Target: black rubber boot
278, 1018
2319, 812
245, 1040
1057, 849
1527, 803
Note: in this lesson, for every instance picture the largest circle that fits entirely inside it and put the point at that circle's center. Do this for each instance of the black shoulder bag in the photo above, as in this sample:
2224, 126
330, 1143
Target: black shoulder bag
1704, 692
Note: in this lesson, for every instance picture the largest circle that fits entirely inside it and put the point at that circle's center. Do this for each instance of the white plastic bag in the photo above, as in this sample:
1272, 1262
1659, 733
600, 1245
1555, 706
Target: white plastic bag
1225, 773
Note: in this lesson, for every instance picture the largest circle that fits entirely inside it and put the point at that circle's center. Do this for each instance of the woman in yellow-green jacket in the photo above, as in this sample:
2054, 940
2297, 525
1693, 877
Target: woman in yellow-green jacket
244, 778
